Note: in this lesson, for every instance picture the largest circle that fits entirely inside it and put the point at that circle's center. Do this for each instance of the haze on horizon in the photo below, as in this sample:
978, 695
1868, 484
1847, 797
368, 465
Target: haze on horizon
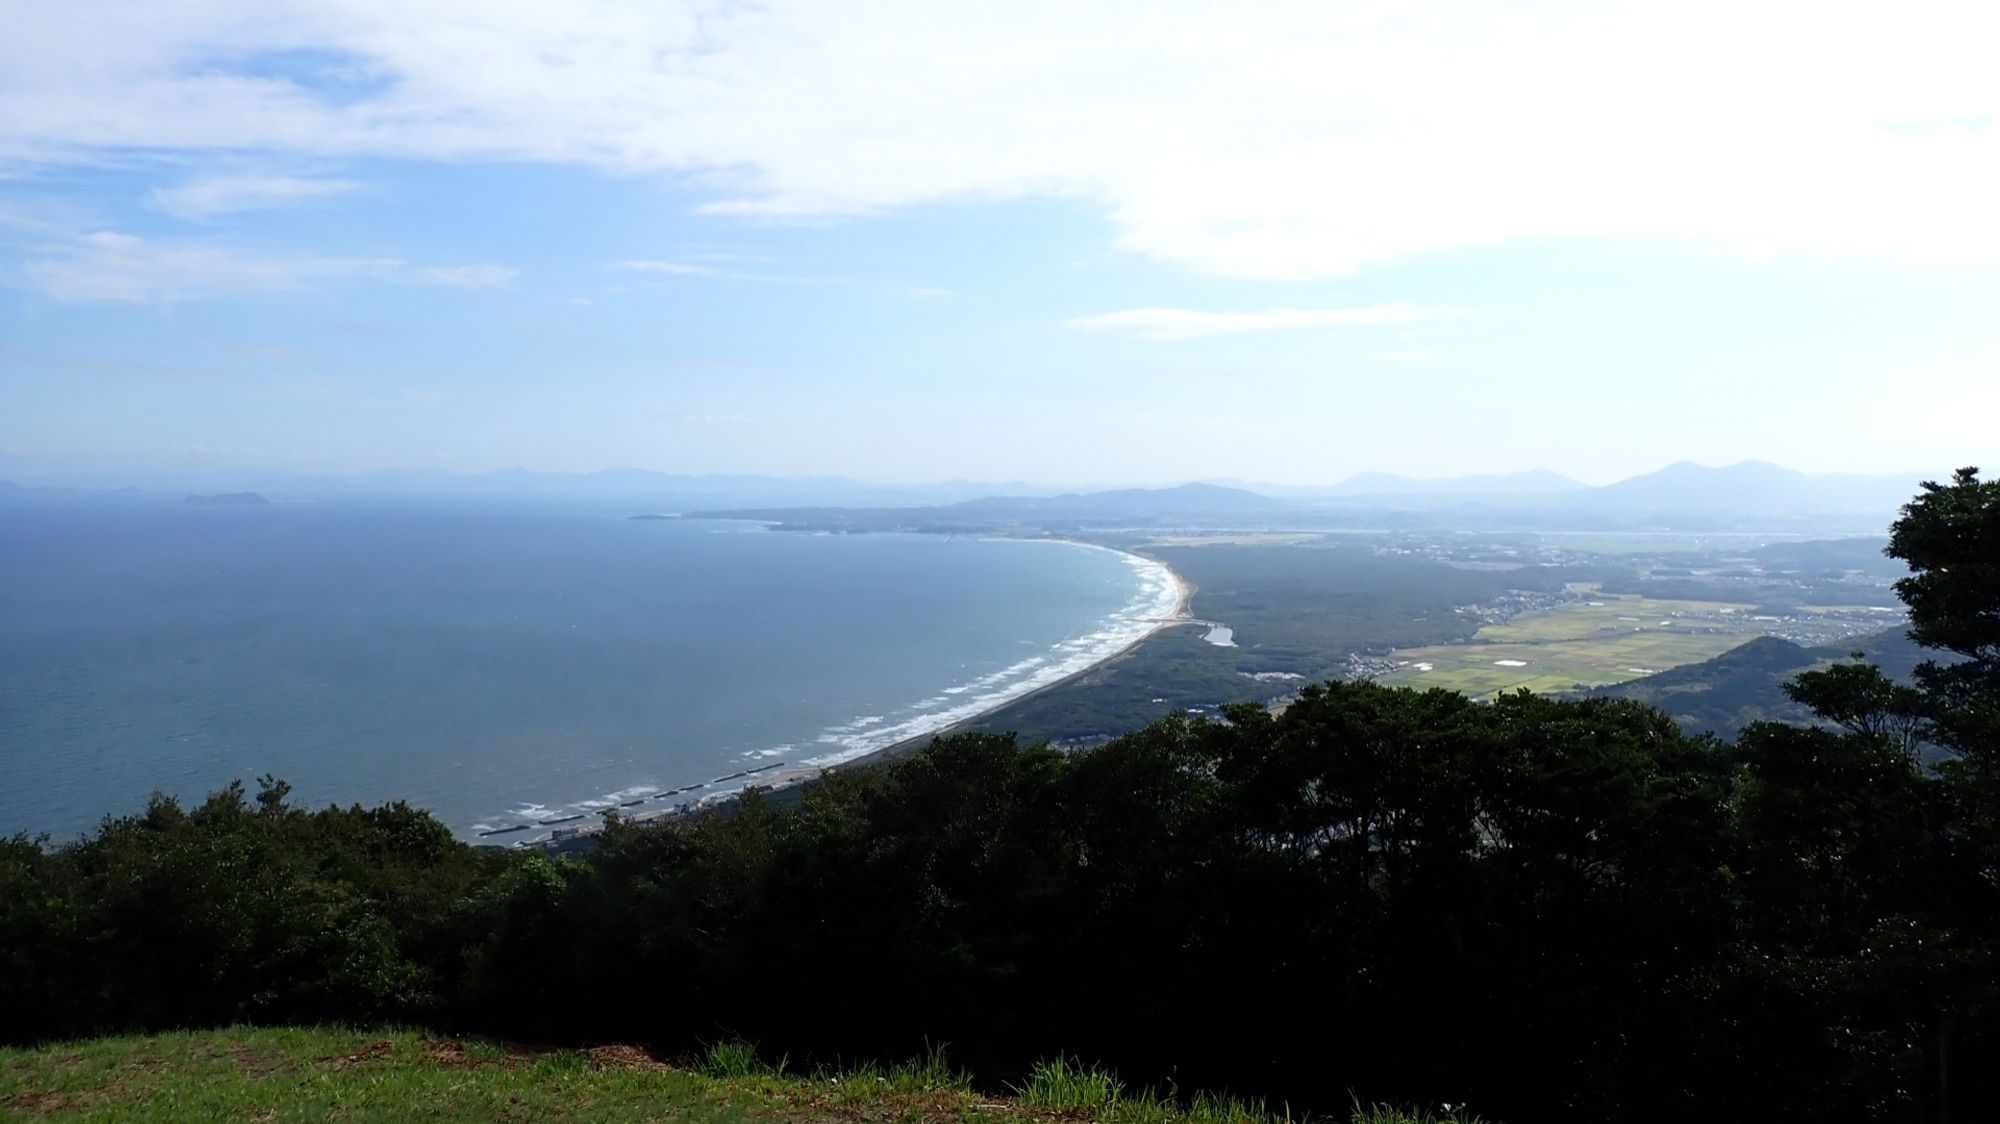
1280, 242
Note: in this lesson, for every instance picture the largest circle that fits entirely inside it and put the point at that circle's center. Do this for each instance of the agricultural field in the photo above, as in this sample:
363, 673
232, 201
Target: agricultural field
1475, 613
1603, 638
1687, 544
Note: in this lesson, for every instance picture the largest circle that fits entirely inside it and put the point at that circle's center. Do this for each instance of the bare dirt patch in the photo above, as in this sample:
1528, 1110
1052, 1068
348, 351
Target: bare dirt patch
623, 1057
373, 1052
38, 1102
452, 1053
253, 1063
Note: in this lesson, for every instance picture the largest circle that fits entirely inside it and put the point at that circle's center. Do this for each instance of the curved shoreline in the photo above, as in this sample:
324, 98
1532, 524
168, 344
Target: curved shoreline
1181, 614
876, 755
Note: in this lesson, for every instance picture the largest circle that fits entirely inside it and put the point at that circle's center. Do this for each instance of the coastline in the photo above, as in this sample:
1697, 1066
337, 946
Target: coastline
790, 778
1181, 614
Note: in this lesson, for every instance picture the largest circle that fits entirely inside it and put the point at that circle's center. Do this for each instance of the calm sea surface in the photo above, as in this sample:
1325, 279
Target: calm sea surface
500, 665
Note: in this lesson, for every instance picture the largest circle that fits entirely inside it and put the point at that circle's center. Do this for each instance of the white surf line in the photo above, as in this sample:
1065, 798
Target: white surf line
1161, 602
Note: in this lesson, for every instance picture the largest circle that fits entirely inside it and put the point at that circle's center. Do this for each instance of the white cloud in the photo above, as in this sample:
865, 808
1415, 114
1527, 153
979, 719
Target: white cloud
1287, 138
465, 276
1186, 323
208, 196
108, 266
675, 267
691, 269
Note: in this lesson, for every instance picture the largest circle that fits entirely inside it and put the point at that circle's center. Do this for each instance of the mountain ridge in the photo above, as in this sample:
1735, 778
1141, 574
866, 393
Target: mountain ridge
1532, 482
1683, 496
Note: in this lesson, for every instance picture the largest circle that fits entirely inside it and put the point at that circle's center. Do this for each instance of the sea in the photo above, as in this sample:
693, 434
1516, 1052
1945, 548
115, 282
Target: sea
504, 665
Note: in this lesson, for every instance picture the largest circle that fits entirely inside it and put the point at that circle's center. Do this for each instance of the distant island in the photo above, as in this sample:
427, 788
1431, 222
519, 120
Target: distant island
230, 499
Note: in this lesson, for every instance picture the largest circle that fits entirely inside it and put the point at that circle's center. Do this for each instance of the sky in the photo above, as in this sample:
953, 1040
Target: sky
1105, 243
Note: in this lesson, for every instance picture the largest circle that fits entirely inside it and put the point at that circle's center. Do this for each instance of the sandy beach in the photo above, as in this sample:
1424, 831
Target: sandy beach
787, 777
1181, 614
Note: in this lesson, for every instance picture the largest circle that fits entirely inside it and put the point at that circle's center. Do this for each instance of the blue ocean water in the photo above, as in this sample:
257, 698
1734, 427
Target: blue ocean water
500, 665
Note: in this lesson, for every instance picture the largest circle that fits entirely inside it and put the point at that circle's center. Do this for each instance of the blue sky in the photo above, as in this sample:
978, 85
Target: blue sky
906, 242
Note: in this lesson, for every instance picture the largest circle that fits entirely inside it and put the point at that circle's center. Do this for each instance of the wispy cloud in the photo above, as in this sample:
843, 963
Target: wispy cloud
112, 267
44, 361
107, 266
465, 276
700, 269
1187, 323
1291, 139
217, 195
678, 268
9, 218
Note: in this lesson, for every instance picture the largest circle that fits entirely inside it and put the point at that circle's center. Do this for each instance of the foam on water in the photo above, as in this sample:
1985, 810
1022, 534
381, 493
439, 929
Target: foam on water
1156, 600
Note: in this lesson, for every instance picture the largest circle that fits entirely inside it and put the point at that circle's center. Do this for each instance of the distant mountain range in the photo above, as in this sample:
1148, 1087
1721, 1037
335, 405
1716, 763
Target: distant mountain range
619, 486
1755, 488
1693, 494
1537, 482
1745, 488
1137, 503
1680, 497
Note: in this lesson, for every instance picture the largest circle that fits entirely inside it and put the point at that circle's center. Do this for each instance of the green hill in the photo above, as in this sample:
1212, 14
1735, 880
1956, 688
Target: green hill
1746, 683
355, 1075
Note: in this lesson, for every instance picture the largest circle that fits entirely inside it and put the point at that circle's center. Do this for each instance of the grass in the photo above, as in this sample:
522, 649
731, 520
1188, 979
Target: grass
1063, 1085
300, 1074
1602, 639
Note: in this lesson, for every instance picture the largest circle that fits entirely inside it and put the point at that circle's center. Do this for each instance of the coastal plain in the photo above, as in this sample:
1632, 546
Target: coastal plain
1481, 614
1597, 639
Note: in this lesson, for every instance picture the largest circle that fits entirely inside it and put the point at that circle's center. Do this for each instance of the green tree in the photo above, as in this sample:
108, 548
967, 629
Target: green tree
1950, 536
1875, 872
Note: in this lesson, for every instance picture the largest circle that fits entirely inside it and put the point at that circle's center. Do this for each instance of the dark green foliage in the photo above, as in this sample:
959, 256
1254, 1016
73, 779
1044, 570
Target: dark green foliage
1169, 672
1859, 698
1549, 909
1950, 536
1309, 601
235, 909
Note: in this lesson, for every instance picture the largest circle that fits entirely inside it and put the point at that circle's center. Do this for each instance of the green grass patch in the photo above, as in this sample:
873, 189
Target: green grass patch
1384, 1114
736, 1059
1063, 1085
313, 1074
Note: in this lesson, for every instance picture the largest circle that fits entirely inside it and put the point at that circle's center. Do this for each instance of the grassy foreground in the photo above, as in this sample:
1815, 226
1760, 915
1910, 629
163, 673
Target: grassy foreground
350, 1075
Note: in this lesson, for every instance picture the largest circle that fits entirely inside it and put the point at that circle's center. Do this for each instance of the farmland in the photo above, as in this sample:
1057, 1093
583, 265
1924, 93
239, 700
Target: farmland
1475, 613
1602, 638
